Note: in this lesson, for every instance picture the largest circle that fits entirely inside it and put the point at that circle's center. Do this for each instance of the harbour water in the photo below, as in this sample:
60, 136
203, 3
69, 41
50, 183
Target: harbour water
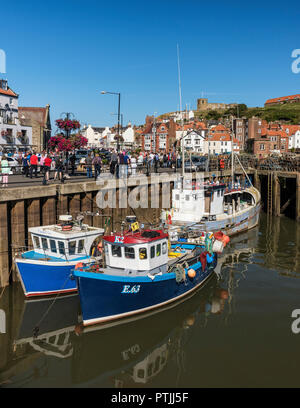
234, 332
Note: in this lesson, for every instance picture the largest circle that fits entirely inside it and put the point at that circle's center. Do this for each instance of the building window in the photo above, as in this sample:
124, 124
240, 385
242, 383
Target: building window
261, 147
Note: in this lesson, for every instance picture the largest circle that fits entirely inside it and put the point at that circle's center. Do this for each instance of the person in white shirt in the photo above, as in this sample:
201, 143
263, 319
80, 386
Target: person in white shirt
133, 165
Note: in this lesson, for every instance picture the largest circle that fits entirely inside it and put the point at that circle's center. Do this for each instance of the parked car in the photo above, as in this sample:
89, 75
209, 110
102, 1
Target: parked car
14, 165
197, 164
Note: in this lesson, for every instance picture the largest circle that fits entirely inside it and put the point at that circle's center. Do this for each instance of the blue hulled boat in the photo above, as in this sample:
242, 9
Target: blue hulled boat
45, 270
141, 272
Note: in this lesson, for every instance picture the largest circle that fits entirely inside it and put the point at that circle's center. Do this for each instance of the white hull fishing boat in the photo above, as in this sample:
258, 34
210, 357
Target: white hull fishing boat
45, 270
212, 206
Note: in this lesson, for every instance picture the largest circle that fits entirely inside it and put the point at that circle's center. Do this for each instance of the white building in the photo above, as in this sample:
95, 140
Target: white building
194, 141
13, 135
294, 140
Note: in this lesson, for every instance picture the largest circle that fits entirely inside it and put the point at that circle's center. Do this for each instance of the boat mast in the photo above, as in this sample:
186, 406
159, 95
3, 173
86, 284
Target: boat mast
180, 110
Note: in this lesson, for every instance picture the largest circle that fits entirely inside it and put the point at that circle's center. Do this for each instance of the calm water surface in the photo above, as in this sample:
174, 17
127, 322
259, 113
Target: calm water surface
234, 332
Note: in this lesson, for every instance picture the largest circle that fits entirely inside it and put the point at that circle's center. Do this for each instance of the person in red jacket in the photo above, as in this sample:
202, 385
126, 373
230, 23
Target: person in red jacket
33, 164
47, 165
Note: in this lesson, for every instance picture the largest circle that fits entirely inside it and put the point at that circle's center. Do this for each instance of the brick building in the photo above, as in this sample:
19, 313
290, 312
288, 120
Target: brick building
283, 99
158, 136
39, 120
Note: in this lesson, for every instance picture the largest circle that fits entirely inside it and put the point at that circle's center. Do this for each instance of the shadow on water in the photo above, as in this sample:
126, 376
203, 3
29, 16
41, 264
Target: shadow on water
225, 335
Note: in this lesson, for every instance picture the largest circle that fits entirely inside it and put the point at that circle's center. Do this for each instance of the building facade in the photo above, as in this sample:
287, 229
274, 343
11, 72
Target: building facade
14, 135
39, 119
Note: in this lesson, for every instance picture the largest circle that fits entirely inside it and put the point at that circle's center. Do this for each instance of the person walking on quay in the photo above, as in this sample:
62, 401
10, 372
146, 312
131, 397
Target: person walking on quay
113, 162
42, 163
72, 161
126, 161
26, 164
4, 170
59, 168
97, 163
156, 161
133, 165
47, 168
33, 164
88, 165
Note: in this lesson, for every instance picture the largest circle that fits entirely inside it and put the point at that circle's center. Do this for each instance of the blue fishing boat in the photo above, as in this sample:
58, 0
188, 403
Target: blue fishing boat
45, 270
141, 272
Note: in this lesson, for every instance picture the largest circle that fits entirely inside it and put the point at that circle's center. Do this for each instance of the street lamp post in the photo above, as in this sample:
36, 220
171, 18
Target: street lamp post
119, 104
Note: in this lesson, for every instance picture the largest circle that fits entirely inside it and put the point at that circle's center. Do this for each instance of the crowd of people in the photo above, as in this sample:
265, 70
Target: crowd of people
33, 164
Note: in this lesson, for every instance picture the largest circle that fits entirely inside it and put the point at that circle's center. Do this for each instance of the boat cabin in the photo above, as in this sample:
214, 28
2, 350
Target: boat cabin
64, 241
141, 250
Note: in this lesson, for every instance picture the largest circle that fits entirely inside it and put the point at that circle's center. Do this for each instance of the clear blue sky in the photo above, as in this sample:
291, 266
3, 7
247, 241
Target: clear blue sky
65, 52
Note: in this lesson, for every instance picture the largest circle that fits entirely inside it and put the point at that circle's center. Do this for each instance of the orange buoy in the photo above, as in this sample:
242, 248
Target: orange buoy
224, 294
226, 239
79, 265
191, 273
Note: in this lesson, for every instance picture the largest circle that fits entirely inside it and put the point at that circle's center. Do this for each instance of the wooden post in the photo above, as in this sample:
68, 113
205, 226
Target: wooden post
63, 207
49, 211
17, 231
276, 196
297, 212
74, 205
4, 260
87, 205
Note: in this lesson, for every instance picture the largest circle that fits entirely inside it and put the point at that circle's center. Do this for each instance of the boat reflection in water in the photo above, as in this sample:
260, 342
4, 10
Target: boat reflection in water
135, 352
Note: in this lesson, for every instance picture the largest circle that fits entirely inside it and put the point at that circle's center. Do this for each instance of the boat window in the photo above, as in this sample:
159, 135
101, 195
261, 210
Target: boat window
129, 252
80, 246
143, 253
164, 248
106, 248
152, 251
72, 247
44, 243
158, 249
36, 241
116, 250
61, 247
53, 245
